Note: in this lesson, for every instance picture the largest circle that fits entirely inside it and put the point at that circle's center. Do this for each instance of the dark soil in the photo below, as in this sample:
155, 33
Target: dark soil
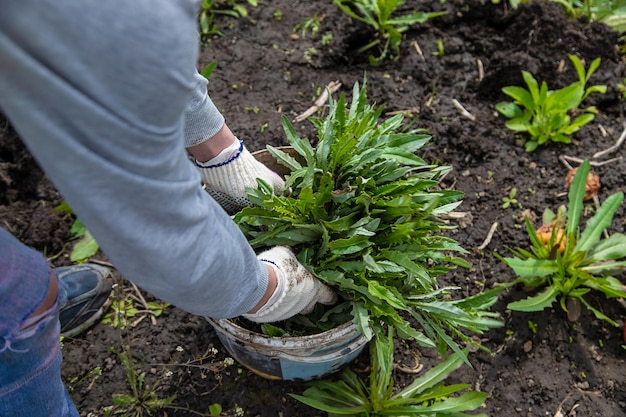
542, 364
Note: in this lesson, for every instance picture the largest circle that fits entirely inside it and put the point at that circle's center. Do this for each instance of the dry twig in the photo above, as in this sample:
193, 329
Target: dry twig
481, 70
418, 50
321, 100
463, 111
487, 240
614, 147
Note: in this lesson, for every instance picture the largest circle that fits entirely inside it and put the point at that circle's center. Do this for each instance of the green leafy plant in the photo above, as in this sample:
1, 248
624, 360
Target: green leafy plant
609, 12
86, 246
378, 15
425, 396
129, 309
309, 25
510, 199
362, 212
211, 9
572, 262
545, 114
143, 399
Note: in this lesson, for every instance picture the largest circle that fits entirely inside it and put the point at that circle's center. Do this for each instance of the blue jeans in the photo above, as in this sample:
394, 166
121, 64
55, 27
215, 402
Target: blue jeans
30, 353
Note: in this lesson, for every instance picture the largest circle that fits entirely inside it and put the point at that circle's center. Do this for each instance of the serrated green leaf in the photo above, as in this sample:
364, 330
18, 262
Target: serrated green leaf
535, 303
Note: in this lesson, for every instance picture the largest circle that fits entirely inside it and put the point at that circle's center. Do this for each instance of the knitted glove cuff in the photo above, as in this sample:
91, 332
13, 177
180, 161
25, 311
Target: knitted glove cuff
227, 181
300, 290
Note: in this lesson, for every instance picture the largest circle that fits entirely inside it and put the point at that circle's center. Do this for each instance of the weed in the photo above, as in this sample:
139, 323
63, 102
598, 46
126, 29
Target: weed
93, 374
208, 70
309, 54
426, 395
510, 199
378, 15
143, 399
609, 12
129, 309
543, 113
362, 212
86, 246
440, 52
570, 262
327, 38
309, 25
211, 9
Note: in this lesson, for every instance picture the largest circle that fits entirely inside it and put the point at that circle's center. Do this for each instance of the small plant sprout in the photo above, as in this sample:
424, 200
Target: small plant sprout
545, 114
572, 262
510, 199
440, 52
215, 410
309, 25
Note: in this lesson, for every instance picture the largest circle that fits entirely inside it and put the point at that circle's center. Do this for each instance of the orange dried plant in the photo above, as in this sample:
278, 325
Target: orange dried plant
544, 234
592, 186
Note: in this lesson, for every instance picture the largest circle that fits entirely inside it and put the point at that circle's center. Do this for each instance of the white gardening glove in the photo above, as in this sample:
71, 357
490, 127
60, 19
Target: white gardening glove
227, 175
297, 290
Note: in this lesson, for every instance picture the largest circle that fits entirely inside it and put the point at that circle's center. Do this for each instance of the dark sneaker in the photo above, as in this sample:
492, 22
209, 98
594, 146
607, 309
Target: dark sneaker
88, 287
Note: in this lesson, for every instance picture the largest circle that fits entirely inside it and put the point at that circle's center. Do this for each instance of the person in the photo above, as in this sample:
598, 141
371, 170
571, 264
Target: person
108, 100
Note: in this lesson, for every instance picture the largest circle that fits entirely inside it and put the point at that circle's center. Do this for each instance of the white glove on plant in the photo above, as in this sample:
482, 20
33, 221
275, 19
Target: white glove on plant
227, 175
297, 290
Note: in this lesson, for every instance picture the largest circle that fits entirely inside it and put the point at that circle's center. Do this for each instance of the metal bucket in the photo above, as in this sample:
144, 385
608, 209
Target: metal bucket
291, 358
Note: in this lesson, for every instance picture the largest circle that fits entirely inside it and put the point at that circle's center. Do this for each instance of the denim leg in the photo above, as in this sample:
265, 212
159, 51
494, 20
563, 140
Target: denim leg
30, 354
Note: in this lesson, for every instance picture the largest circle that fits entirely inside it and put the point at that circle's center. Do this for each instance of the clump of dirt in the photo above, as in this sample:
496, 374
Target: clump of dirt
539, 363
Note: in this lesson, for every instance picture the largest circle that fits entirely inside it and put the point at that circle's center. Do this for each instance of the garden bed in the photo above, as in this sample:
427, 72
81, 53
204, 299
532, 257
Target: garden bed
540, 363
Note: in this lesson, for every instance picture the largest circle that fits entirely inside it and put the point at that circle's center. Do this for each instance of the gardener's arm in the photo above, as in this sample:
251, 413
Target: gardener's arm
104, 117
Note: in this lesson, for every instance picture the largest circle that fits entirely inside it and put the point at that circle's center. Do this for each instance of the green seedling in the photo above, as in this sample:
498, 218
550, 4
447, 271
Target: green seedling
609, 12
378, 14
309, 54
309, 25
440, 52
86, 246
211, 9
121, 314
510, 199
425, 396
130, 309
327, 38
566, 263
545, 114
92, 375
362, 213
208, 70
143, 399
215, 409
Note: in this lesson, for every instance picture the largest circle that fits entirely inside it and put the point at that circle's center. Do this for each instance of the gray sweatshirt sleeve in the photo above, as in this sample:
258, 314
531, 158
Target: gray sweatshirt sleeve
104, 101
